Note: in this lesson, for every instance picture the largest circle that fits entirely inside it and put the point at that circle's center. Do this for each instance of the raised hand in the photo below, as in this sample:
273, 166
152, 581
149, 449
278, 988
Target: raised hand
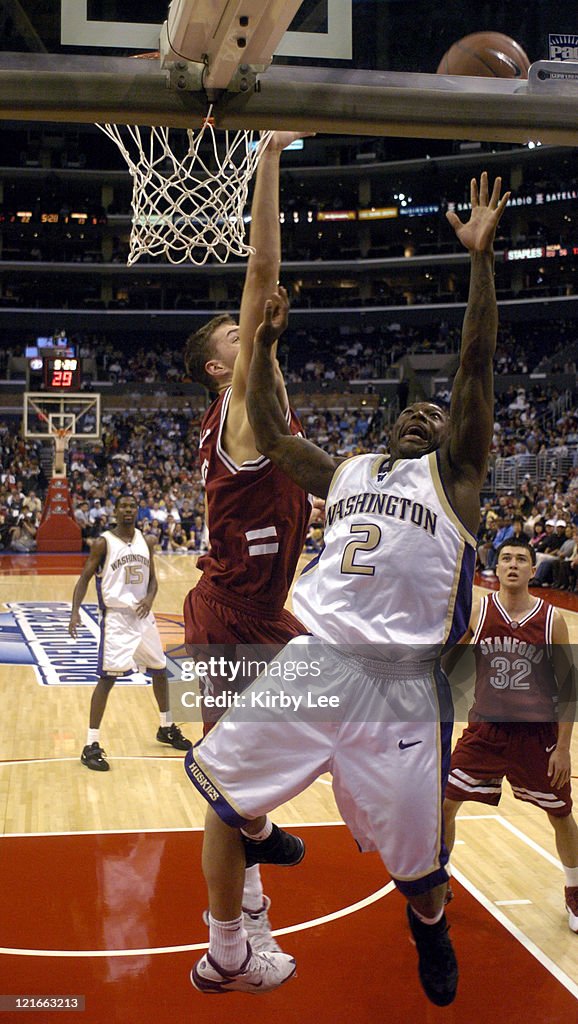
478, 234
275, 319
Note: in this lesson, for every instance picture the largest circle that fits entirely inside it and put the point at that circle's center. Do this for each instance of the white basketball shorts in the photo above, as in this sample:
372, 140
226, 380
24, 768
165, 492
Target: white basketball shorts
127, 643
381, 730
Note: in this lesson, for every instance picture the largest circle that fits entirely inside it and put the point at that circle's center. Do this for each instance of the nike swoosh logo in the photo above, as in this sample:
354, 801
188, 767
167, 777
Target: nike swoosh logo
550, 749
253, 984
404, 746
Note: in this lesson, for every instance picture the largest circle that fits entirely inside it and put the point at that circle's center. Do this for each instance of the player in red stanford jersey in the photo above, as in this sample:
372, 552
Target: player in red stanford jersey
519, 727
257, 519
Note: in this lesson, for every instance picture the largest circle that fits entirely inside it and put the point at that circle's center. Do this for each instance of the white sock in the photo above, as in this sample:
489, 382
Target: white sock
92, 736
166, 719
253, 896
449, 870
228, 943
265, 832
571, 876
428, 920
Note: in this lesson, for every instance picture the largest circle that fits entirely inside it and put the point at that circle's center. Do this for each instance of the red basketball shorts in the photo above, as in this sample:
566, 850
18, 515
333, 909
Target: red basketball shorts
489, 751
220, 626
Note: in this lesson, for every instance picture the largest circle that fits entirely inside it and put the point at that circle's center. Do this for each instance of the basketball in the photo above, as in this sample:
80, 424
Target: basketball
487, 55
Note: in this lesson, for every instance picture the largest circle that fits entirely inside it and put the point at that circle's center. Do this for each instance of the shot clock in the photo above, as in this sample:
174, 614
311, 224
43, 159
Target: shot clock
54, 372
61, 373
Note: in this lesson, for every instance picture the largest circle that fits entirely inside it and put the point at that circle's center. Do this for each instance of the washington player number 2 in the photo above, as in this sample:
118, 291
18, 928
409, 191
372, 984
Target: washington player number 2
368, 542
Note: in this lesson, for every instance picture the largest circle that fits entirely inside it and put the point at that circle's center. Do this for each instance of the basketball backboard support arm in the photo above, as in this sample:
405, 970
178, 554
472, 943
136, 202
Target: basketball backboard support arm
43, 87
225, 33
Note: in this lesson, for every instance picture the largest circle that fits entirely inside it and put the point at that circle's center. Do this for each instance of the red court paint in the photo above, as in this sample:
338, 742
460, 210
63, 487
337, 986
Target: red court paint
146, 890
40, 564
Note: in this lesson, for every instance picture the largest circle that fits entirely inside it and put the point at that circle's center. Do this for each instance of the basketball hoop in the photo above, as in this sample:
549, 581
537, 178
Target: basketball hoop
188, 207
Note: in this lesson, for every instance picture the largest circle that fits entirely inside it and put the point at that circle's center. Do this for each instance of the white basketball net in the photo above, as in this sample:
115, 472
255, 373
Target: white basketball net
189, 207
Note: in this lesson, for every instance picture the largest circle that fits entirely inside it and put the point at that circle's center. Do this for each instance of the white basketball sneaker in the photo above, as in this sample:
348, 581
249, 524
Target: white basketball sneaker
259, 973
258, 928
571, 895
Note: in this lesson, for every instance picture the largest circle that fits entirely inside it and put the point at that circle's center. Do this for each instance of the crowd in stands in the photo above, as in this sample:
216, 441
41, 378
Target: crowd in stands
554, 540
22, 481
325, 355
527, 423
153, 455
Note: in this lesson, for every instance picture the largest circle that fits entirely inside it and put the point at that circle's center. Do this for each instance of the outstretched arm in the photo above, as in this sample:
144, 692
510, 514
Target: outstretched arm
264, 264
472, 405
304, 462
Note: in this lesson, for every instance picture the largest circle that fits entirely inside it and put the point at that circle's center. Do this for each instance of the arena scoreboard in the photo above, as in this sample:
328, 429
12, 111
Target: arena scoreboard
55, 372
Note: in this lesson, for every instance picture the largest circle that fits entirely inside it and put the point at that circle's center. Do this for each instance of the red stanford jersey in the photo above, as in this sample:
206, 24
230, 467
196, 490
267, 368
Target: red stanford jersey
257, 519
515, 680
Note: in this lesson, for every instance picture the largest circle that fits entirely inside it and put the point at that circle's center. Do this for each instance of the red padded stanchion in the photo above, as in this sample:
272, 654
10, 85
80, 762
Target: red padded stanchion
58, 530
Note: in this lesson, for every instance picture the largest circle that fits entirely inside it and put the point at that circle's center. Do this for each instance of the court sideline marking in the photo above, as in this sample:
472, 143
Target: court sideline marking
513, 929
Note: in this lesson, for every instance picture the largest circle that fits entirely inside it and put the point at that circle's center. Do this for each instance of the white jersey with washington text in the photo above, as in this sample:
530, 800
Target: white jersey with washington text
397, 566
124, 578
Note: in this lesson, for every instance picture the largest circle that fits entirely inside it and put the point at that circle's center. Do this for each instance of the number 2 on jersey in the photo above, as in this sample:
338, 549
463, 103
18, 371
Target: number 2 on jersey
369, 543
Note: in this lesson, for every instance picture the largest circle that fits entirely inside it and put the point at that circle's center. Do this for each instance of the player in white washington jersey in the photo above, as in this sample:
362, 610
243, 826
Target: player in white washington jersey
391, 589
126, 585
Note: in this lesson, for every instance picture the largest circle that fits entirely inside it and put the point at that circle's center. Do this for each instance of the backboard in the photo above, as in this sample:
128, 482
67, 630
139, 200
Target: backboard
64, 415
83, 24
375, 35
